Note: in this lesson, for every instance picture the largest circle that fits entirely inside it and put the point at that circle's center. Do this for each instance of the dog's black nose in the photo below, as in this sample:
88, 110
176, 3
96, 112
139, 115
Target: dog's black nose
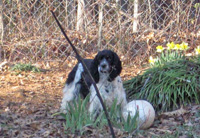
103, 65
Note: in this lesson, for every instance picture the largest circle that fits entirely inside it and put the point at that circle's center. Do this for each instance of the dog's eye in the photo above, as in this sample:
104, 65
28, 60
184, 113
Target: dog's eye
100, 58
108, 58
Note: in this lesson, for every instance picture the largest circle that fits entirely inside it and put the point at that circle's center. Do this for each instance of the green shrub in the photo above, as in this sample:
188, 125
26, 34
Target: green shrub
171, 81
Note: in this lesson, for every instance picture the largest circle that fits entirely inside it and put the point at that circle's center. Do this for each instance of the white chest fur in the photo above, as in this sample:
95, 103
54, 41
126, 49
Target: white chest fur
109, 92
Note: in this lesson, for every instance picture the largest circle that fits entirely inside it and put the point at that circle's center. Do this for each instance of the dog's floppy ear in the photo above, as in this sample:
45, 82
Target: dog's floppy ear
116, 67
94, 69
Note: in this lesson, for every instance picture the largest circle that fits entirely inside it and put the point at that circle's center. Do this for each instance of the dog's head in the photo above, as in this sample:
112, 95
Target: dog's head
106, 62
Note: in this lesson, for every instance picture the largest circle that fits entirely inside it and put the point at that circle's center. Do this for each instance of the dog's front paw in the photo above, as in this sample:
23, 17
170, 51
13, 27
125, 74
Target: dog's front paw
63, 107
64, 111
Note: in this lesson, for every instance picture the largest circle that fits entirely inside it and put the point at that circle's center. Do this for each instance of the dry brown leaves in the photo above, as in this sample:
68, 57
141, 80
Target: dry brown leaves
29, 100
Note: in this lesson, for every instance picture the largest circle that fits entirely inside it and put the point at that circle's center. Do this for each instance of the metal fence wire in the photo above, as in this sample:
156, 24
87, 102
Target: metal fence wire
132, 28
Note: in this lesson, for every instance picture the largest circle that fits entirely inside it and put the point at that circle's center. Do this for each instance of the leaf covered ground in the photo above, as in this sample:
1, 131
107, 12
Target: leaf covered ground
28, 101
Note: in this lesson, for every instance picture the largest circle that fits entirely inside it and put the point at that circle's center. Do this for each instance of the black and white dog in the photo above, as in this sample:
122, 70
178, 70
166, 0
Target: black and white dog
105, 68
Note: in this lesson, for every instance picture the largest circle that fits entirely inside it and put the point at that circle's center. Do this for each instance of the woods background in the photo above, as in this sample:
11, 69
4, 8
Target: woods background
132, 28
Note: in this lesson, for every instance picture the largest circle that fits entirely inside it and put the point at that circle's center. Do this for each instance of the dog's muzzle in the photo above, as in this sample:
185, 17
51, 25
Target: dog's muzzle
104, 67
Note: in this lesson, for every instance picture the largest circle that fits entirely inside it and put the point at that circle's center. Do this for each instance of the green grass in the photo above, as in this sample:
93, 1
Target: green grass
25, 67
78, 118
172, 81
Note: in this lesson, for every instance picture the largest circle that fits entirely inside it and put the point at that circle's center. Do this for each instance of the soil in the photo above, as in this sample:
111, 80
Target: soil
28, 102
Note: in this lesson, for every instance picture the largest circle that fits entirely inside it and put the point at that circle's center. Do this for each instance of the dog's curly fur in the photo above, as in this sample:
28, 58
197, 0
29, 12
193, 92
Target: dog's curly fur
105, 68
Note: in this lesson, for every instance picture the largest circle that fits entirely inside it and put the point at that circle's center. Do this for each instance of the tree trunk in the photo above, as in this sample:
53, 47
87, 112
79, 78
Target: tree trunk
150, 14
80, 15
100, 24
1, 20
19, 6
69, 13
1, 27
135, 16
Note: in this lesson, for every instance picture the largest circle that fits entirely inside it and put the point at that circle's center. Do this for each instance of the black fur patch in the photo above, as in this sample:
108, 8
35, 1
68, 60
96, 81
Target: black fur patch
107, 90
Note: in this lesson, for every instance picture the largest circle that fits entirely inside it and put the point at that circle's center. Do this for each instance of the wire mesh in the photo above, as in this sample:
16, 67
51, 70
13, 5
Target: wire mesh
131, 28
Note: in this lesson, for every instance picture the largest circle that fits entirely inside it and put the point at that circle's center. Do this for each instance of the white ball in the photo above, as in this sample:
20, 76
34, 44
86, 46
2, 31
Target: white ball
145, 110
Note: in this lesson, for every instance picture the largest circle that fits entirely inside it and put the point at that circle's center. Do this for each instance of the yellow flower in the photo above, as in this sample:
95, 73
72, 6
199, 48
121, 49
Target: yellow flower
151, 60
184, 46
159, 48
177, 46
170, 45
197, 50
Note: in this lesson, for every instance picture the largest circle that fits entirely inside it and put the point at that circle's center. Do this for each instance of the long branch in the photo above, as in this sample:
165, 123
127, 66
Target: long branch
90, 76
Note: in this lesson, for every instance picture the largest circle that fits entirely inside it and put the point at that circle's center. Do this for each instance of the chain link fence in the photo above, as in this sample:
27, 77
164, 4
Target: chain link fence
132, 28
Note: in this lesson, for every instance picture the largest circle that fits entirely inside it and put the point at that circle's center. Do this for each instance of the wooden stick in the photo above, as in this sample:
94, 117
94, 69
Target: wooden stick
80, 59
